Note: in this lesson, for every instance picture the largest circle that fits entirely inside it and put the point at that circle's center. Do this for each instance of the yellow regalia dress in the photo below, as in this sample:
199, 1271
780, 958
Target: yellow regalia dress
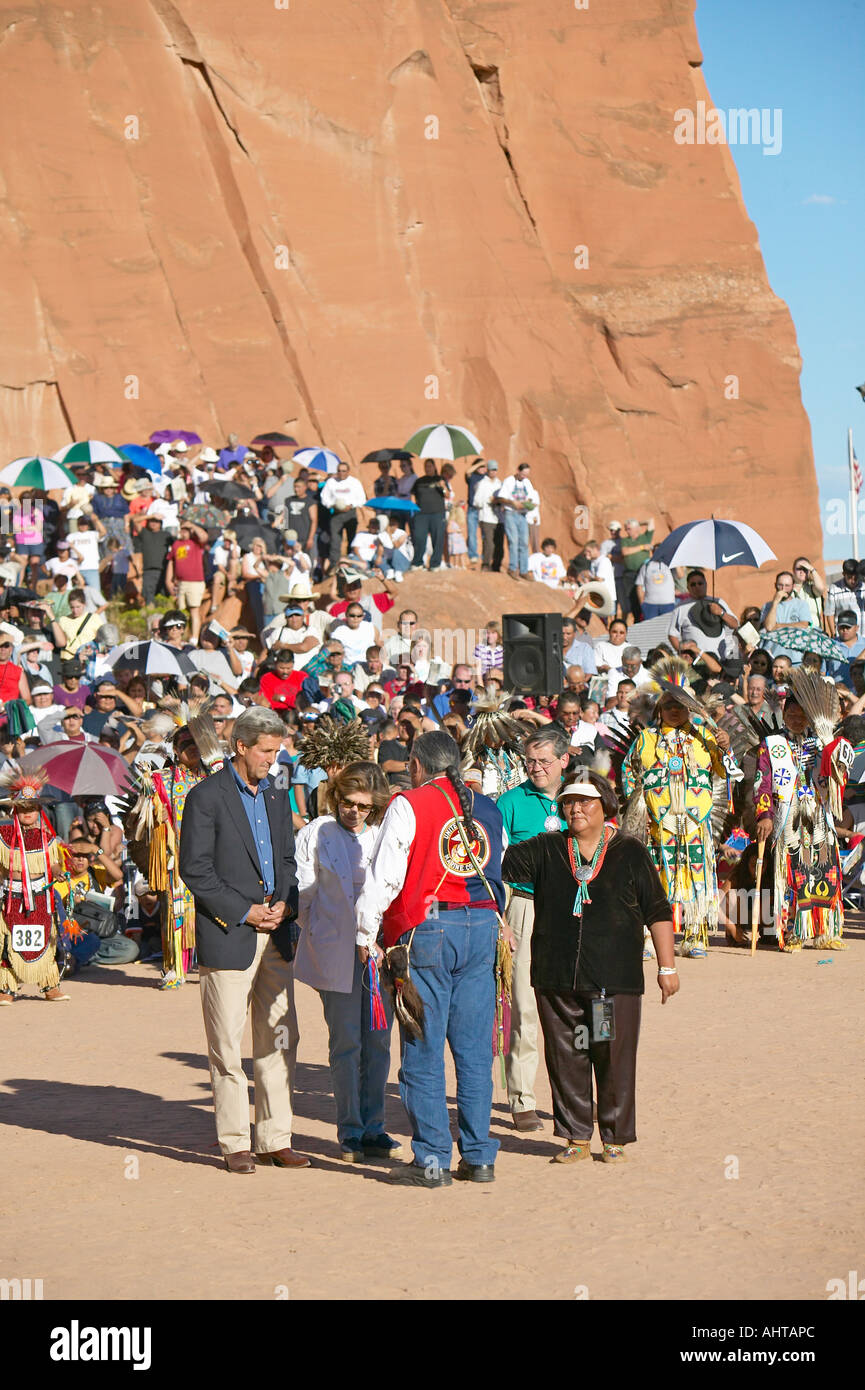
675, 767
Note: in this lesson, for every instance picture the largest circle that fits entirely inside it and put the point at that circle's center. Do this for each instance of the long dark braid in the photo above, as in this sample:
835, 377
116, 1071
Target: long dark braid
439, 755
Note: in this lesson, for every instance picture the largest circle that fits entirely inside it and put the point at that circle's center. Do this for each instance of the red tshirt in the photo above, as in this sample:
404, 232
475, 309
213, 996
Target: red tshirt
380, 600
188, 559
281, 694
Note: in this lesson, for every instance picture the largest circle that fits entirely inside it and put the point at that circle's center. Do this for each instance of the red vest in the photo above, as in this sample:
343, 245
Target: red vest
438, 867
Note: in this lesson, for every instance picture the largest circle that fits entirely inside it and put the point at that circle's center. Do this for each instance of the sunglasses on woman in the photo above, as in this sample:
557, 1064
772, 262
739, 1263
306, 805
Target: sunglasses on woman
363, 807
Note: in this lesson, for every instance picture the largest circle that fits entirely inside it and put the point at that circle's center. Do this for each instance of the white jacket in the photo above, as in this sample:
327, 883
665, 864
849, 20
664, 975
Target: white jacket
328, 860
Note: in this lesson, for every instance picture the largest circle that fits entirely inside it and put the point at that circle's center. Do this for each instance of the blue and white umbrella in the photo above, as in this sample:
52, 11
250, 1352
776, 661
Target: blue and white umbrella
713, 545
323, 460
392, 504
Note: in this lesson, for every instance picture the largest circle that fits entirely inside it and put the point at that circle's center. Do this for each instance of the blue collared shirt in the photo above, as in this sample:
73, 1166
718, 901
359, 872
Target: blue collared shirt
255, 809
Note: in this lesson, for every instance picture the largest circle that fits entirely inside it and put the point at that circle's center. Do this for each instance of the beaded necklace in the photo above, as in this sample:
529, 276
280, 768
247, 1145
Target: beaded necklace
585, 873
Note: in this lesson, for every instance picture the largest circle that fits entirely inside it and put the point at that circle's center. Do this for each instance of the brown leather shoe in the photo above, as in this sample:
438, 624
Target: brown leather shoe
240, 1162
527, 1120
284, 1158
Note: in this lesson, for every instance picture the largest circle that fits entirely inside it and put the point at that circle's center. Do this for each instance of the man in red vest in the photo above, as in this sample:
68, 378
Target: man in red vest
424, 891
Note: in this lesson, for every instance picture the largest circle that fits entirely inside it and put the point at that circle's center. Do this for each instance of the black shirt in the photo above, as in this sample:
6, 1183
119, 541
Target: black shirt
298, 516
152, 546
603, 949
429, 493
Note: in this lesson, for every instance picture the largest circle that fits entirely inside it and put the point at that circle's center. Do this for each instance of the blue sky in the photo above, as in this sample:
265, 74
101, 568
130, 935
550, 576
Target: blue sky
808, 202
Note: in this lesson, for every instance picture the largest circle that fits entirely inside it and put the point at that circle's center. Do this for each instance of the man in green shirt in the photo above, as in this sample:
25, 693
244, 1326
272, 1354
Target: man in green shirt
528, 810
636, 548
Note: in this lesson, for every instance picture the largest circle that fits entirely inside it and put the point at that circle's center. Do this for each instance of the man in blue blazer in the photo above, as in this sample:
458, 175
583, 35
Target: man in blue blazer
237, 859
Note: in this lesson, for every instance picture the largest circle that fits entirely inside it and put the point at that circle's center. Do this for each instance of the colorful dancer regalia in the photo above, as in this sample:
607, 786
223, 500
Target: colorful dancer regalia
153, 829
673, 768
492, 750
30, 858
800, 783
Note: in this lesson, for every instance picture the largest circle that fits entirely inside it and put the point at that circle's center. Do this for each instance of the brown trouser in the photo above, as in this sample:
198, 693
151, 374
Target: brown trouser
571, 1057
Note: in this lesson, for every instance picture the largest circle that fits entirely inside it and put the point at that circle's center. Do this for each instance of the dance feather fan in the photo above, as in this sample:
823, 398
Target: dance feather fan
818, 697
330, 743
492, 726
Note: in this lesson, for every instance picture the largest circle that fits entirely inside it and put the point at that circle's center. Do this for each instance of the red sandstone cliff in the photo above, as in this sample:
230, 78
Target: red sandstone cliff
280, 242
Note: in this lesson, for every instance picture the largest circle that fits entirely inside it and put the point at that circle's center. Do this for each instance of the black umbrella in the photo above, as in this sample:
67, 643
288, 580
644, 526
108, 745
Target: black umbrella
385, 456
273, 438
229, 491
245, 528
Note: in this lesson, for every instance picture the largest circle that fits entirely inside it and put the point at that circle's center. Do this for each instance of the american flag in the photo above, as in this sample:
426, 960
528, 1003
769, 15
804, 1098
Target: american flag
857, 476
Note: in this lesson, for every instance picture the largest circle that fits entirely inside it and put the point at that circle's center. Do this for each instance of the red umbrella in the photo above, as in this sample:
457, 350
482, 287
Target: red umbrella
80, 769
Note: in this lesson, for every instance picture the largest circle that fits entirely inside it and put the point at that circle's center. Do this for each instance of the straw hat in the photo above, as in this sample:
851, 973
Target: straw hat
301, 589
129, 489
104, 480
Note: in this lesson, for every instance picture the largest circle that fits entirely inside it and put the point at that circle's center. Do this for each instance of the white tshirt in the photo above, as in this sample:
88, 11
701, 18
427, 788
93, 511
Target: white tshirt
486, 490
547, 569
355, 640
87, 545
341, 494
57, 566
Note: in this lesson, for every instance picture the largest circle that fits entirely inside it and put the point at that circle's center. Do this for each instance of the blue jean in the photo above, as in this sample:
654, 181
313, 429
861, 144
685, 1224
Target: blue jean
452, 963
472, 515
517, 532
359, 1058
654, 610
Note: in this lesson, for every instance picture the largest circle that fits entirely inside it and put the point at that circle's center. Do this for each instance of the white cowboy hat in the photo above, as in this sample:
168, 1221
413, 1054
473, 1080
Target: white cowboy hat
208, 455
104, 480
14, 633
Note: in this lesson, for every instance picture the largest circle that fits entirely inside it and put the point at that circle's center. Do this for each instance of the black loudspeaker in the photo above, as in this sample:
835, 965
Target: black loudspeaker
532, 653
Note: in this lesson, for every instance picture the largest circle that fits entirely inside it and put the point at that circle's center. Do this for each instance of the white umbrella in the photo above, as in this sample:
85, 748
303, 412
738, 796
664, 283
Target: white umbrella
713, 545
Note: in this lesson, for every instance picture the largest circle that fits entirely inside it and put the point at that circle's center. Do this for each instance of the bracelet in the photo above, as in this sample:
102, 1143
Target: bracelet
667, 970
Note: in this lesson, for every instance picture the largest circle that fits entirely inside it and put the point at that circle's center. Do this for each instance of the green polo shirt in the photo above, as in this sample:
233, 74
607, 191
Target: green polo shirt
524, 810
639, 557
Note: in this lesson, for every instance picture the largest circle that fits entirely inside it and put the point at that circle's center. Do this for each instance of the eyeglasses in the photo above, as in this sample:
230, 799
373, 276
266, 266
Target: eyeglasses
408, 622
799, 569
364, 807
539, 762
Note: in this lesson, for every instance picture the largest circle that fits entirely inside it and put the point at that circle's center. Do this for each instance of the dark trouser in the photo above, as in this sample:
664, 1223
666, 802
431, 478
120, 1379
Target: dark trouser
626, 592
432, 525
339, 522
150, 583
492, 545
570, 1064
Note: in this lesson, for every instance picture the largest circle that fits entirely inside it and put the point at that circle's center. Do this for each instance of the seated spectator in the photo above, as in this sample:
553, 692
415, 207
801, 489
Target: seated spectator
785, 609
281, 685
546, 566
577, 651
355, 634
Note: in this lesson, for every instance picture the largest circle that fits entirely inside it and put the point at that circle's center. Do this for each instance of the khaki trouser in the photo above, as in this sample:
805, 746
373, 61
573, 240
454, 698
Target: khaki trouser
226, 996
521, 1065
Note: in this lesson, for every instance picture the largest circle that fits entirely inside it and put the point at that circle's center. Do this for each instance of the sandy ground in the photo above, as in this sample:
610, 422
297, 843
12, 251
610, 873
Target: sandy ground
745, 1183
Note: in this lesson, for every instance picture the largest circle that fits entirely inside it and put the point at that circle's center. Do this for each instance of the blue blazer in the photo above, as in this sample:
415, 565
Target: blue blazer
219, 865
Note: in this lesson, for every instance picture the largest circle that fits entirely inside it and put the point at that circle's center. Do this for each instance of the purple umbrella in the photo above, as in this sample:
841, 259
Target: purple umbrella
169, 436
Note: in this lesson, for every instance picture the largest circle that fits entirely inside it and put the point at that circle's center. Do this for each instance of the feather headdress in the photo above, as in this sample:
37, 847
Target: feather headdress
492, 726
210, 749
18, 786
668, 677
330, 743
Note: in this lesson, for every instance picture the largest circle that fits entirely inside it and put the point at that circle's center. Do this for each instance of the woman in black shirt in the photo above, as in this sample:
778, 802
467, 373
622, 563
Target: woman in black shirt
594, 891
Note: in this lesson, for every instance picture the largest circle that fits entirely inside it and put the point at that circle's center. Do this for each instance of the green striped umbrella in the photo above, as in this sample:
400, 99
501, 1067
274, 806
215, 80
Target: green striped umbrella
43, 474
444, 442
90, 451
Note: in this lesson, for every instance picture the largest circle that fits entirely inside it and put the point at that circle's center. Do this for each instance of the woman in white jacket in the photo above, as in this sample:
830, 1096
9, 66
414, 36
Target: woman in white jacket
333, 854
